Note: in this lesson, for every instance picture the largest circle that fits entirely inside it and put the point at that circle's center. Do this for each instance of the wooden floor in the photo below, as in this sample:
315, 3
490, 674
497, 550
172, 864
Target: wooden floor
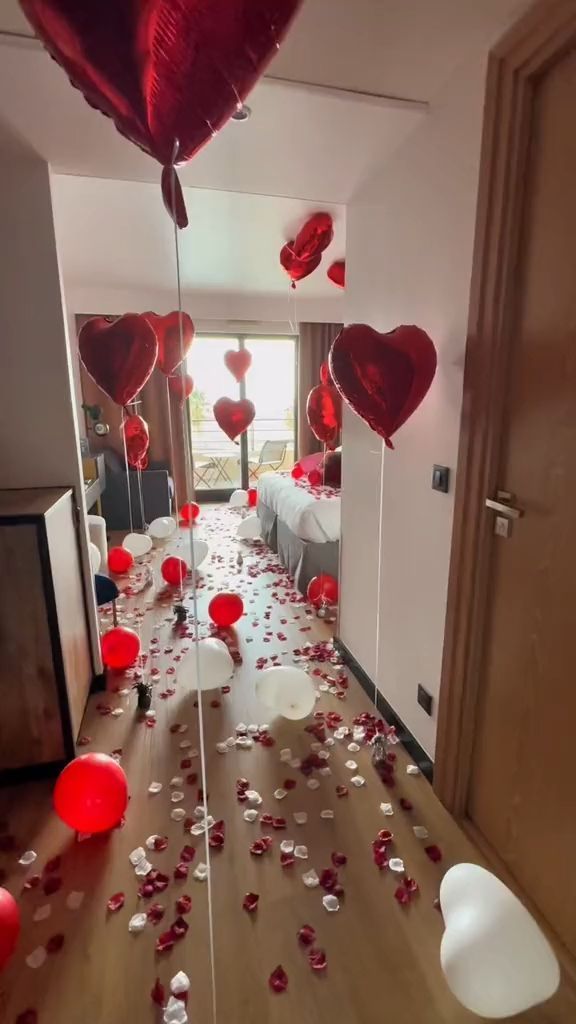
383, 959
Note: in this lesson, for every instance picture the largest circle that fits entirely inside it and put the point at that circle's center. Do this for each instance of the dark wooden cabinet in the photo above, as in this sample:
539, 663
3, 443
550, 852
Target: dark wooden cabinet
45, 659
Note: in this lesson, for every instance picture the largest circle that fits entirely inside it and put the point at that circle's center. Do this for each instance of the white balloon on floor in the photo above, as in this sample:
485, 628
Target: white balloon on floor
95, 557
138, 544
495, 958
239, 499
288, 691
162, 528
201, 550
250, 528
181, 549
208, 667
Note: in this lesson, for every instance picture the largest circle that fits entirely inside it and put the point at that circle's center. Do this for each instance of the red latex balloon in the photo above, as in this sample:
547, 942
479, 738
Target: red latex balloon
119, 356
167, 331
314, 237
120, 560
324, 413
383, 377
325, 377
337, 273
238, 361
296, 268
252, 497
9, 926
120, 648
226, 609
233, 417
91, 794
297, 472
322, 589
174, 571
135, 430
181, 385
189, 512
165, 72
315, 478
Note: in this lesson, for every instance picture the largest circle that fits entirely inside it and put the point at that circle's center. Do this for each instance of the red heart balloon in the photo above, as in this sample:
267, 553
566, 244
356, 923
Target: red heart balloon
383, 377
337, 273
314, 237
181, 385
137, 438
167, 330
233, 417
238, 361
297, 269
324, 413
119, 356
165, 72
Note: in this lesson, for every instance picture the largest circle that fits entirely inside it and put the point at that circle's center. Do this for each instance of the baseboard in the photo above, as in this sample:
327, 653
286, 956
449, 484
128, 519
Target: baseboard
417, 753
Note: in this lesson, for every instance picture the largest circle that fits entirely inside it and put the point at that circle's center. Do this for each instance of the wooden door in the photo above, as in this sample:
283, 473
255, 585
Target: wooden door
510, 774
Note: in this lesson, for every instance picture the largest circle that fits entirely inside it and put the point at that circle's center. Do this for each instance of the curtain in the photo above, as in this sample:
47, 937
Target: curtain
314, 344
153, 407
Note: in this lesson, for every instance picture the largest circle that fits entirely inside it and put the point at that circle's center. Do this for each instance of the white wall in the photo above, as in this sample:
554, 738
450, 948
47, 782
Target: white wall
410, 237
38, 426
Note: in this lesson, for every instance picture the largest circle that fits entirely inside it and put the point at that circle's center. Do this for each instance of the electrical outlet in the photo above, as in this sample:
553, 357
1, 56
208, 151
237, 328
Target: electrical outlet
425, 699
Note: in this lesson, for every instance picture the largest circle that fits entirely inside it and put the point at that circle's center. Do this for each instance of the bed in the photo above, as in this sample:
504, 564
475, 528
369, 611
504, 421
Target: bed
302, 524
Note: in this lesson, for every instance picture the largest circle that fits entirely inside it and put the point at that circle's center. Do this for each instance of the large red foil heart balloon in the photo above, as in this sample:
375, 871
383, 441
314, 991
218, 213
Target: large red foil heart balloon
324, 413
337, 273
383, 377
233, 417
119, 356
314, 237
238, 361
137, 439
171, 351
168, 72
297, 269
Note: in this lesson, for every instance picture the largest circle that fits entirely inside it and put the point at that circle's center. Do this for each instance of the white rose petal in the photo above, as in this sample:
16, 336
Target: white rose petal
137, 855
176, 781
280, 793
287, 846
387, 809
310, 879
300, 817
250, 814
137, 923
328, 814
324, 755
117, 712
313, 784
178, 814
351, 765
28, 858
412, 769
42, 913
185, 744
325, 771
201, 873
420, 832
341, 732
222, 748
295, 762
177, 796
358, 780
151, 842
301, 852
253, 797
231, 742
396, 864
37, 957
180, 983
353, 748
154, 787
241, 729
323, 687
143, 868
74, 900
359, 734
244, 742
175, 1012
329, 741
330, 903
286, 754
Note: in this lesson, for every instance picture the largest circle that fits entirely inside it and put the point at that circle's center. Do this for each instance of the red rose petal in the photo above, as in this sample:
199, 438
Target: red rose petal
192, 779
405, 804
155, 913
146, 891
179, 928
184, 905
53, 865
158, 994
381, 859
216, 840
317, 959
287, 860
160, 843
307, 935
181, 871
161, 882
165, 942
54, 944
278, 980
116, 902
52, 884
187, 854
31, 883
185, 764
434, 853
402, 895
268, 841
339, 859
341, 791
385, 836
411, 885
250, 902
279, 823
258, 847
328, 879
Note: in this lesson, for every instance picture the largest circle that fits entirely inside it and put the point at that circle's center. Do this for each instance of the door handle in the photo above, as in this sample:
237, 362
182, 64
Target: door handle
502, 504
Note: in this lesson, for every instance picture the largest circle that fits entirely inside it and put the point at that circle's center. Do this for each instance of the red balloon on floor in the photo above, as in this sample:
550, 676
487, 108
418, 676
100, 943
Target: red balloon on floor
252, 497
91, 793
120, 560
9, 926
120, 648
297, 473
322, 589
315, 478
226, 609
189, 512
174, 570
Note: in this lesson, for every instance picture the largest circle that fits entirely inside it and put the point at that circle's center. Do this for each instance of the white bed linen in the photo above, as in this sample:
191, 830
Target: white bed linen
313, 517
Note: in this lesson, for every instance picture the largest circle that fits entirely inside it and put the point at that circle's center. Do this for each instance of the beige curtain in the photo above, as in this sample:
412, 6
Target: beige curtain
154, 401
314, 345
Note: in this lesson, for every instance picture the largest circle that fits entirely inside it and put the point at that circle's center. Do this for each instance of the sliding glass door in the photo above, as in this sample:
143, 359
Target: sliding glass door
221, 465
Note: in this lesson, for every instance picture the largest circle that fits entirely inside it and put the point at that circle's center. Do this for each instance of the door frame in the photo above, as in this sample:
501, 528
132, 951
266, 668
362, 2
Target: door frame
538, 40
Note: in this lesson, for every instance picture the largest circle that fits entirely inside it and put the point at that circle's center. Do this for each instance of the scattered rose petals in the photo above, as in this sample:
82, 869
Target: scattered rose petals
301, 852
402, 895
358, 780
37, 958
158, 994
311, 879
137, 856
250, 902
300, 817
341, 791
51, 885
201, 873
327, 814
396, 864
313, 784
165, 942
339, 859
187, 854
155, 913
55, 943
420, 832
280, 794
137, 923
178, 814
387, 809
317, 959
307, 935
74, 900
351, 765
28, 858
181, 871
278, 980
42, 913
250, 814
155, 787
180, 984
405, 804
287, 860
434, 853
331, 903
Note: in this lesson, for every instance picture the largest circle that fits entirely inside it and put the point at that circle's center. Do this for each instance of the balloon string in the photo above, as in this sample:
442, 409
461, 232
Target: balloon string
142, 515
127, 472
189, 493
292, 320
379, 577
172, 456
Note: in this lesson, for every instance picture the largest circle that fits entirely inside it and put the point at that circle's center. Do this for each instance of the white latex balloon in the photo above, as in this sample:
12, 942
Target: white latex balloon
238, 499
138, 544
182, 550
201, 550
162, 528
250, 528
95, 557
214, 661
495, 958
288, 691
